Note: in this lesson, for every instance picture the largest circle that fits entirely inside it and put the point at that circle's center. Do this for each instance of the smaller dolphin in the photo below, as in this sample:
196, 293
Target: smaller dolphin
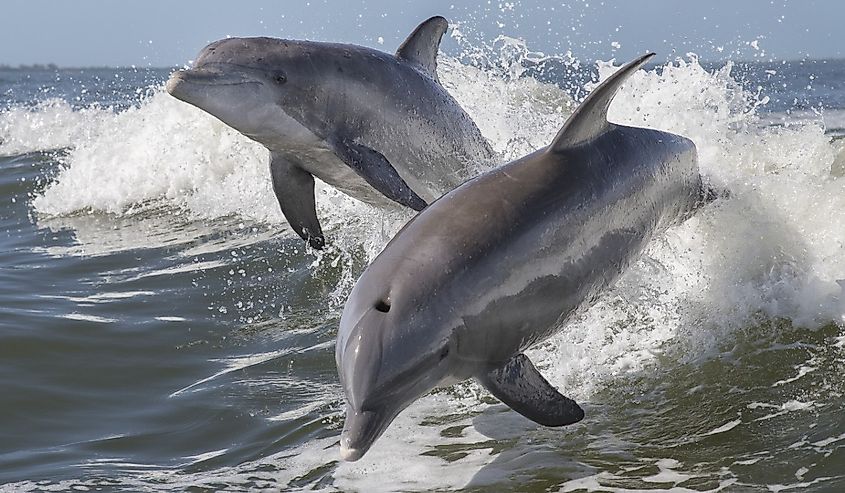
376, 126
503, 262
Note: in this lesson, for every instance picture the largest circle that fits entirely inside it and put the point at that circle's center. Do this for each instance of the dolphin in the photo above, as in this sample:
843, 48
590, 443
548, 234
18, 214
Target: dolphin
503, 262
379, 127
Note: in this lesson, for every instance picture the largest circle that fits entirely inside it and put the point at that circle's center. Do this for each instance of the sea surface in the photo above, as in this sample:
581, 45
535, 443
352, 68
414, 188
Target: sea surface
162, 329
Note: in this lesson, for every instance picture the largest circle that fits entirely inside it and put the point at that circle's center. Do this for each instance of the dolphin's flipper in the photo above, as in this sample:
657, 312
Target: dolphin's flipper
294, 189
373, 167
519, 385
589, 120
421, 46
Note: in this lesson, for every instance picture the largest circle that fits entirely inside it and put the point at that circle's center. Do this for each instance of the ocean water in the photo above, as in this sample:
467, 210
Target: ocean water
162, 329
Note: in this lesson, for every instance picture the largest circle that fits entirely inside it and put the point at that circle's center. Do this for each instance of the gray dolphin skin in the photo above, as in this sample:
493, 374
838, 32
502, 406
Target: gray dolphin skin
378, 127
503, 262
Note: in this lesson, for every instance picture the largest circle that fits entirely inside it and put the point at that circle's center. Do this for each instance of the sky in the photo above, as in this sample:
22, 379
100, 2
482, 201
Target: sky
157, 33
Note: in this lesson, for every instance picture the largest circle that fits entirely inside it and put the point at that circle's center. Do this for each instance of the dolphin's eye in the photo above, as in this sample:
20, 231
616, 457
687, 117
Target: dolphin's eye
281, 79
444, 352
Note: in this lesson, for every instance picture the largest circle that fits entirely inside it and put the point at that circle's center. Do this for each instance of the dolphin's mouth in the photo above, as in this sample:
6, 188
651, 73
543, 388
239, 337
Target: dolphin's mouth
181, 82
200, 77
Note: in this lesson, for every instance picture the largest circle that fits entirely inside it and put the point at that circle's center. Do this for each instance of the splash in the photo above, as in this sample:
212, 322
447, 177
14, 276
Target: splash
50, 125
161, 152
772, 250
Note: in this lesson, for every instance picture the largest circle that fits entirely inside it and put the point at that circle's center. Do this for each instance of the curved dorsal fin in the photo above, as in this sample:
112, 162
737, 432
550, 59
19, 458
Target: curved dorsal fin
589, 120
421, 46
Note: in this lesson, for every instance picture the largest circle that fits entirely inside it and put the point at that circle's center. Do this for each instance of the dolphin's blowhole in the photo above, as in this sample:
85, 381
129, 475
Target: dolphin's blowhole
383, 305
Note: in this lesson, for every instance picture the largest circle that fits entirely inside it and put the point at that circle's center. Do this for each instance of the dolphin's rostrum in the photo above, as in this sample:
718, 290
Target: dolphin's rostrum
376, 126
503, 262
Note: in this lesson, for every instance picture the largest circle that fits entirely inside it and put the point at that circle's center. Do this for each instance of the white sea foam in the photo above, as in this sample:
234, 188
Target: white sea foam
196, 459
785, 408
167, 151
598, 482
802, 371
236, 364
52, 124
187, 267
730, 425
828, 441
88, 318
667, 473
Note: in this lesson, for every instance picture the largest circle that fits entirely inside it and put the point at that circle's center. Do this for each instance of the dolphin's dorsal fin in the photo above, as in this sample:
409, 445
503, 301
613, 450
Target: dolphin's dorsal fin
590, 118
421, 46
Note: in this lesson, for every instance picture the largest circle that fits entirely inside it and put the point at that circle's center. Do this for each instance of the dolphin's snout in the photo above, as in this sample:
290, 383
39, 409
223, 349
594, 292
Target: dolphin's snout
199, 86
173, 83
350, 454
362, 361
360, 431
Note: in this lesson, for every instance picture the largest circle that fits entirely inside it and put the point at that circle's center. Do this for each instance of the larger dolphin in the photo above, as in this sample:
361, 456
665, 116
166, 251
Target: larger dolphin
376, 126
503, 262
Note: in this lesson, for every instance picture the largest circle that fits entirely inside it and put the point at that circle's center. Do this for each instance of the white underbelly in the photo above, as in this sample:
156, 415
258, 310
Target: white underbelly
287, 136
325, 165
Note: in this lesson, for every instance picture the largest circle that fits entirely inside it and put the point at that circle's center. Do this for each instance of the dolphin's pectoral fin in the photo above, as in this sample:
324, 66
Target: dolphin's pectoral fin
376, 170
519, 385
294, 189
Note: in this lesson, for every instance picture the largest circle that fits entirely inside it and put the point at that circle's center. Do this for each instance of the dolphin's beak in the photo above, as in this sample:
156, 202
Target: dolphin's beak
188, 84
365, 422
360, 431
176, 79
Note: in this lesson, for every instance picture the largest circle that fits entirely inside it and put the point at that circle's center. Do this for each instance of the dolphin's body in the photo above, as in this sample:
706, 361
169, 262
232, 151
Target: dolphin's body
502, 263
376, 126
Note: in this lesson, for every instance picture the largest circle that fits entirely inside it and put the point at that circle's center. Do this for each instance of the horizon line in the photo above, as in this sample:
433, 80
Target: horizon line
55, 66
